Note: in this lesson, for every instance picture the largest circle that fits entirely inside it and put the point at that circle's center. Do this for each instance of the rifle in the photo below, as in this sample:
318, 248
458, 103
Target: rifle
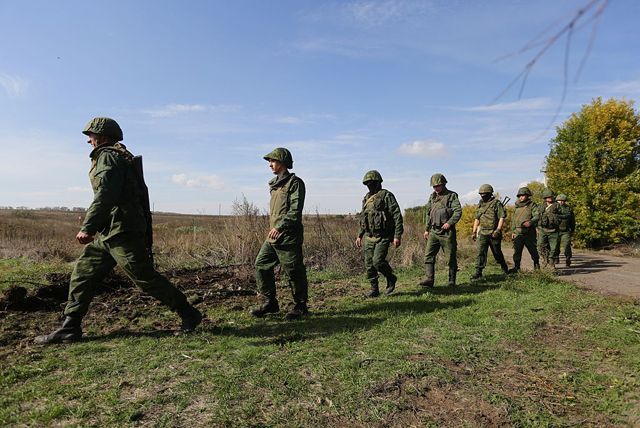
144, 199
506, 200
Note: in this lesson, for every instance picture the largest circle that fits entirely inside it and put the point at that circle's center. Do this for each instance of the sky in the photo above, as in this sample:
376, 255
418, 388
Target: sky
204, 89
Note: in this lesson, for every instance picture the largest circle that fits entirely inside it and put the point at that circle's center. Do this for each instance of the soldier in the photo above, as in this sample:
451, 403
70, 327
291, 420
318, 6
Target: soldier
381, 222
443, 210
548, 243
566, 227
284, 240
487, 230
118, 216
523, 227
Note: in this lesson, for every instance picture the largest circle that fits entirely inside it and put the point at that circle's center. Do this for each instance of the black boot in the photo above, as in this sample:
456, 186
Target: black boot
428, 281
69, 332
298, 311
269, 307
452, 276
375, 291
191, 318
504, 267
514, 269
568, 262
477, 275
536, 265
391, 284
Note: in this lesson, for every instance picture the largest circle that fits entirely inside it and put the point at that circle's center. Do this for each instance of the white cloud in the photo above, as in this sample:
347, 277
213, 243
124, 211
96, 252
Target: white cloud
425, 148
527, 104
198, 181
14, 86
170, 110
629, 87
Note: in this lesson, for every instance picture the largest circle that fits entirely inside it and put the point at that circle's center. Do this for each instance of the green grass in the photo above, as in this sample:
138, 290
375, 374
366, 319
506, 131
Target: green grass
521, 351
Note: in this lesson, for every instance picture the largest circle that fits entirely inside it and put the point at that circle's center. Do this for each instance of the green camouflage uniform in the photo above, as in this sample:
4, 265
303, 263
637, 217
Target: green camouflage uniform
441, 209
548, 235
489, 214
287, 202
566, 227
117, 214
525, 236
380, 224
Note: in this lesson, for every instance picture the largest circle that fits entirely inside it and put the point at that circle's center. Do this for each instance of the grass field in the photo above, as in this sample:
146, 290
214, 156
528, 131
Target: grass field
523, 350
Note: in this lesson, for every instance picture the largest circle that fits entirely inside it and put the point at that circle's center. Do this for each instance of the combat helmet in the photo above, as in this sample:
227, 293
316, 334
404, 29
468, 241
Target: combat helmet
280, 154
524, 191
561, 197
372, 175
485, 188
547, 193
437, 179
104, 126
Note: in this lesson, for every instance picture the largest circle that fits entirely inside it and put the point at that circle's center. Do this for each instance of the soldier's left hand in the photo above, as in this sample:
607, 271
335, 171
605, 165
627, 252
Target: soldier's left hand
396, 243
446, 226
495, 234
84, 238
273, 234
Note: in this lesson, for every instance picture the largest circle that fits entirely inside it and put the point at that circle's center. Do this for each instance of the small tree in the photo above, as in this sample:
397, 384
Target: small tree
595, 160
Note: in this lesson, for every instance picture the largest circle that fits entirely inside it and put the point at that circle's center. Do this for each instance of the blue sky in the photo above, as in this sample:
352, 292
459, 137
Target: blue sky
203, 89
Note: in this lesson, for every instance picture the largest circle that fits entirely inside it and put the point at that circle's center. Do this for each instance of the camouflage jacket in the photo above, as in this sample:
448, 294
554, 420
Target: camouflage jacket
567, 219
489, 214
525, 211
116, 206
441, 209
287, 203
381, 216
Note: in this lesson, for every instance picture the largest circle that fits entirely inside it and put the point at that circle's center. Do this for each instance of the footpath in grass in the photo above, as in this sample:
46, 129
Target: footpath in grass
507, 351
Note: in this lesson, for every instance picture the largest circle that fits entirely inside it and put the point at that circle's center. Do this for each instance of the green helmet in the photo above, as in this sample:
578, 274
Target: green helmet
104, 126
547, 193
437, 179
485, 188
281, 154
524, 191
561, 197
372, 175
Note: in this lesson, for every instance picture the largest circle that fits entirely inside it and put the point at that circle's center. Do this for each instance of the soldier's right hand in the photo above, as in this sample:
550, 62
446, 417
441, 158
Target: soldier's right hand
84, 238
513, 236
474, 236
426, 235
358, 242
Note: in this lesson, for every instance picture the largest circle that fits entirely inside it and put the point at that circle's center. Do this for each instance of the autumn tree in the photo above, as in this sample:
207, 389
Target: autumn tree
595, 160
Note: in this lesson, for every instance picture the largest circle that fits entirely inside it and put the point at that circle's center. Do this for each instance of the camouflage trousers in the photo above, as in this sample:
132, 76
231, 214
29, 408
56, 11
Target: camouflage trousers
483, 243
375, 258
130, 253
565, 244
445, 239
525, 240
548, 246
289, 257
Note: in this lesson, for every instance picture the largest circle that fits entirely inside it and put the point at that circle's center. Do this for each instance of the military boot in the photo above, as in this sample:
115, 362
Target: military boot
568, 262
428, 281
536, 265
69, 332
269, 307
477, 275
514, 269
452, 276
191, 318
391, 284
298, 311
375, 291
504, 267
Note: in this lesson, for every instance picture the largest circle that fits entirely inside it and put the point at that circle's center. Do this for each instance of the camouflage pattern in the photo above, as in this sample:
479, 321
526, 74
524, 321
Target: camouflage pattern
566, 228
116, 206
547, 193
561, 197
437, 179
280, 154
380, 223
489, 214
127, 250
441, 209
525, 236
372, 175
485, 188
548, 234
104, 126
524, 191
287, 203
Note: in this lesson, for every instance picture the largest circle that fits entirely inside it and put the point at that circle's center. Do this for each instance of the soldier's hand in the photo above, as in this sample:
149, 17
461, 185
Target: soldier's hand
84, 238
527, 223
495, 234
474, 236
446, 226
273, 234
426, 235
513, 236
396, 243
358, 242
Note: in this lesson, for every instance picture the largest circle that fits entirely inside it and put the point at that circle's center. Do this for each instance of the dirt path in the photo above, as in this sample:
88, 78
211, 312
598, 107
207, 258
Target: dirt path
596, 271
